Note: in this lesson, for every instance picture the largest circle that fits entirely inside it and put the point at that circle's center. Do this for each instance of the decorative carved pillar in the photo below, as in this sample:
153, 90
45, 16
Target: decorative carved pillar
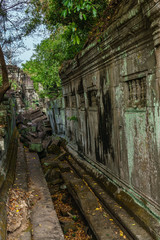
155, 26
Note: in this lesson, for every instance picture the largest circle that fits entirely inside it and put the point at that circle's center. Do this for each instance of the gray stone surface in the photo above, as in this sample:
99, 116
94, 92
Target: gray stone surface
102, 224
21, 180
25, 236
134, 223
111, 94
43, 217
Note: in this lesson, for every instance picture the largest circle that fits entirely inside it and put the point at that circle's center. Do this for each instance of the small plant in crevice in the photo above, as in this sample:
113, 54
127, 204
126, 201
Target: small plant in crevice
73, 118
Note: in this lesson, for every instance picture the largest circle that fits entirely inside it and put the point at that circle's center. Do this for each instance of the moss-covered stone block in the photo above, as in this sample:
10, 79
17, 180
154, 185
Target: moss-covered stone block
36, 147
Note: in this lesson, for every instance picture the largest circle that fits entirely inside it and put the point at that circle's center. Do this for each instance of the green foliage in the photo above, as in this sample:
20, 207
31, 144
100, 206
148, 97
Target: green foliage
14, 84
73, 118
80, 16
12, 23
80, 7
46, 61
69, 22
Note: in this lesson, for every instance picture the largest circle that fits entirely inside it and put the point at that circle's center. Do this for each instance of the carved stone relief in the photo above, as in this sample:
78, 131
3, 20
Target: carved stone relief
82, 100
74, 101
92, 100
136, 92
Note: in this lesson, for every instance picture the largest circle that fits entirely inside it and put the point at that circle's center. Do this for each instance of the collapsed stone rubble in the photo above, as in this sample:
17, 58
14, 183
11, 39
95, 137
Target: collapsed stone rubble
35, 213
35, 130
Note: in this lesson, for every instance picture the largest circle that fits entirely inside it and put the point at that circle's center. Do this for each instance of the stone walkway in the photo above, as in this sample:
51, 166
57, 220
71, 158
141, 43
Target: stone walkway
44, 224
30, 209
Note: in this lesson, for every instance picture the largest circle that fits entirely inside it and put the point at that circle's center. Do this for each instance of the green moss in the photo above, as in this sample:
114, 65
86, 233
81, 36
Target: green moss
36, 147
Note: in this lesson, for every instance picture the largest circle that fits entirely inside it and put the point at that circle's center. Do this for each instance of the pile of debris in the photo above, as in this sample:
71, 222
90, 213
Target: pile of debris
35, 130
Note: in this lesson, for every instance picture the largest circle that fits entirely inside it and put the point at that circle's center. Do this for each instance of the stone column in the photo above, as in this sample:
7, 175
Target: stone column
155, 26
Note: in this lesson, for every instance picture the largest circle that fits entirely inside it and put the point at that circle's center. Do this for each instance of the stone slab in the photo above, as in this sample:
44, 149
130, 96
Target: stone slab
43, 217
101, 223
36, 147
21, 169
118, 212
25, 236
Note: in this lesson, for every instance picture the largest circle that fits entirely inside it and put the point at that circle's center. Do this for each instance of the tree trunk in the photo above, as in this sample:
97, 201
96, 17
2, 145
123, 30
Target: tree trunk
5, 81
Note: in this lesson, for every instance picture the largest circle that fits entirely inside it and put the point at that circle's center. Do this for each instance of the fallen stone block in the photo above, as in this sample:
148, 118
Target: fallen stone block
29, 124
48, 130
35, 147
54, 149
36, 140
24, 131
46, 142
56, 181
36, 116
34, 135
68, 225
42, 135
20, 119
40, 127
46, 123
40, 119
53, 163
52, 174
64, 167
33, 128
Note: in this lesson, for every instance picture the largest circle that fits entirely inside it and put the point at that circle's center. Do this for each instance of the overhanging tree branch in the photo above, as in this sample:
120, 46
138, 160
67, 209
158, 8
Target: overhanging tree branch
5, 81
15, 5
13, 19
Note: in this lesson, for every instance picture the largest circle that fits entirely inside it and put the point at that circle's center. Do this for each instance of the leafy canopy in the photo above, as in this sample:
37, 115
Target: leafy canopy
12, 21
45, 63
80, 16
69, 22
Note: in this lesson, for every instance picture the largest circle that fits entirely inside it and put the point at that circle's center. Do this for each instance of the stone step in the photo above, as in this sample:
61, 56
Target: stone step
32, 111
47, 124
128, 223
101, 223
21, 169
40, 119
36, 115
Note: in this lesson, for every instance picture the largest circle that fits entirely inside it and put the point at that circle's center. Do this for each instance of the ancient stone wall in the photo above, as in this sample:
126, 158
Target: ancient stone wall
112, 101
56, 115
7, 126
16, 100
23, 86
